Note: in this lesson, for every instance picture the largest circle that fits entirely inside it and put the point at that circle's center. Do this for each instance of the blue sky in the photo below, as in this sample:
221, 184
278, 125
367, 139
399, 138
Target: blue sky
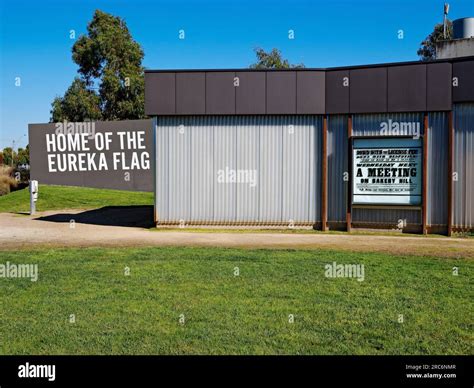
35, 43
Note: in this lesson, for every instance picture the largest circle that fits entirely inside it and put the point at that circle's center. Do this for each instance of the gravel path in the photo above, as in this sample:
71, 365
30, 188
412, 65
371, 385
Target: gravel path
53, 229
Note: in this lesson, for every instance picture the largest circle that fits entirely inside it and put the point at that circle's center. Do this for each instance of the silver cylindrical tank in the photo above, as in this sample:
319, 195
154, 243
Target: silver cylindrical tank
463, 28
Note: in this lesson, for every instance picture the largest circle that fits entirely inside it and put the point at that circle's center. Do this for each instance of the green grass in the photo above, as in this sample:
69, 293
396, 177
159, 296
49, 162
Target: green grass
67, 197
227, 314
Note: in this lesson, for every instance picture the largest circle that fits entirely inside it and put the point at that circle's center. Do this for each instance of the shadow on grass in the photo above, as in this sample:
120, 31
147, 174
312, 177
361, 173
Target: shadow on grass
140, 216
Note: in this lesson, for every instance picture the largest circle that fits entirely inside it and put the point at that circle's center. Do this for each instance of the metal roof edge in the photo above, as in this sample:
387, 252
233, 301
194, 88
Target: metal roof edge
352, 67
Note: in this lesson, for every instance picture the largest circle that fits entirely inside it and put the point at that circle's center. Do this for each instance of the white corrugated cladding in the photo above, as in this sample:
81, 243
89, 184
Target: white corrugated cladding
337, 166
438, 139
276, 159
463, 216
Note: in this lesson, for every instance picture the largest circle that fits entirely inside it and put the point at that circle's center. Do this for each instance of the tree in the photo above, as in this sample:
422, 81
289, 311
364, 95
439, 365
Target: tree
272, 60
23, 156
78, 104
110, 85
427, 50
8, 156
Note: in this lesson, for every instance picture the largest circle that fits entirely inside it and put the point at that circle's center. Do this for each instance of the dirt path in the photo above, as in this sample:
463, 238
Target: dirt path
53, 229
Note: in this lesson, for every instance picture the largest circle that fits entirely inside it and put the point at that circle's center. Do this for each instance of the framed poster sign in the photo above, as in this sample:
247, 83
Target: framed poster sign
387, 171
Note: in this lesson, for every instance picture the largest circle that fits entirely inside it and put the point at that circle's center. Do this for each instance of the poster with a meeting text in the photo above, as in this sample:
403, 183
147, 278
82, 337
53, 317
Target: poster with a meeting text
387, 171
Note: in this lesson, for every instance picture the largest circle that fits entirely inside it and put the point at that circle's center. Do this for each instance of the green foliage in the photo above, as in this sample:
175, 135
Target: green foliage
427, 50
228, 314
23, 156
272, 60
8, 155
78, 104
111, 84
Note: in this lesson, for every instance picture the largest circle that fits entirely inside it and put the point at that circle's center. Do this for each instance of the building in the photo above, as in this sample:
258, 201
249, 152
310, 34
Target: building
462, 44
375, 146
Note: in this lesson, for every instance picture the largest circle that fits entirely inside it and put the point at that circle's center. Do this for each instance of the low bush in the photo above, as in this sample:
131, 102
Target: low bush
6, 180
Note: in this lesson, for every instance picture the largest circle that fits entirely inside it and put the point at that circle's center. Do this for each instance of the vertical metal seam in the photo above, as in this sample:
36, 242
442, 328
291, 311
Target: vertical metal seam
155, 128
324, 176
296, 92
282, 127
266, 110
349, 163
236, 217
311, 199
464, 181
259, 154
175, 94
425, 174
205, 92
190, 149
213, 179
450, 172
169, 162
349, 72
426, 88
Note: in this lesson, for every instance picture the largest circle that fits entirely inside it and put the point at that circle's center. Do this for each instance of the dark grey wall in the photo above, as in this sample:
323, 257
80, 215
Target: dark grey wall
281, 92
160, 93
438, 82
368, 90
190, 93
407, 87
139, 179
251, 94
220, 93
464, 72
310, 92
234, 92
337, 94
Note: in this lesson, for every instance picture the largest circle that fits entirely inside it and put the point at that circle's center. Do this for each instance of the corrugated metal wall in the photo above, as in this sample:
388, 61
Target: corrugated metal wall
283, 151
437, 203
337, 166
369, 125
463, 205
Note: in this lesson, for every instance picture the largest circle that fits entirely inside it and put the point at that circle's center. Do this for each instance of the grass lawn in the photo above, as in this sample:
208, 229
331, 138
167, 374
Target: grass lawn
227, 314
67, 197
